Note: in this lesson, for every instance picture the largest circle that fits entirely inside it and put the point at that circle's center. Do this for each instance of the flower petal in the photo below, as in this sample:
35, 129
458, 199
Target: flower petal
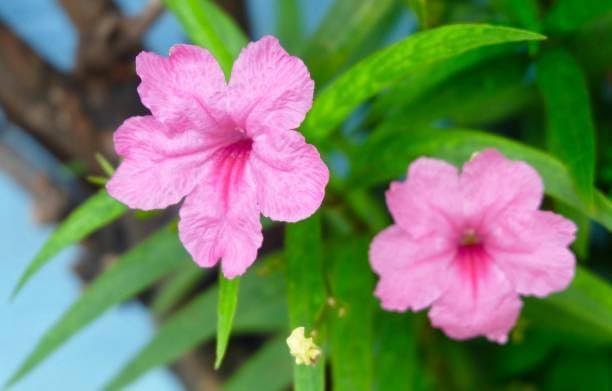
477, 302
185, 90
491, 183
412, 272
531, 247
269, 89
427, 200
218, 222
290, 175
159, 167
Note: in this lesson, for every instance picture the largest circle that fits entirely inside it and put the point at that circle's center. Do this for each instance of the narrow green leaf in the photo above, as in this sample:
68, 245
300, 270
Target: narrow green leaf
351, 322
289, 23
395, 357
184, 278
333, 44
306, 292
226, 309
569, 15
419, 7
392, 64
105, 165
261, 309
131, 273
208, 26
429, 77
96, 212
583, 311
526, 13
387, 154
498, 85
255, 373
570, 130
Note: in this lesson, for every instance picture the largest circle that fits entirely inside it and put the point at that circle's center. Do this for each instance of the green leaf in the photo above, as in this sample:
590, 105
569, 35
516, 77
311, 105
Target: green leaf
255, 373
289, 23
351, 323
130, 274
178, 285
210, 27
498, 84
396, 361
419, 7
261, 309
387, 154
333, 44
305, 291
429, 77
97, 211
583, 311
390, 65
569, 15
226, 309
570, 131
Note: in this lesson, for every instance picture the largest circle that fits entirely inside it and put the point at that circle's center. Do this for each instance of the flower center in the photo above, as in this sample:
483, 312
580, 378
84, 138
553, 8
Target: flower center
469, 238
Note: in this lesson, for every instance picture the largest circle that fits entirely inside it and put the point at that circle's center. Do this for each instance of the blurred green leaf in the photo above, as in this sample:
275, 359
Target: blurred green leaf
570, 130
396, 361
428, 77
334, 43
226, 309
305, 291
419, 7
351, 321
289, 23
576, 370
130, 274
526, 13
187, 275
269, 369
390, 65
210, 27
261, 308
96, 212
105, 165
387, 154
583, 311
498, 85
568, 15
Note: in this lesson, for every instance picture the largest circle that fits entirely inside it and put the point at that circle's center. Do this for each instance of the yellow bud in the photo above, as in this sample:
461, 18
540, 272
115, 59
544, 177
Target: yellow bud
303, 349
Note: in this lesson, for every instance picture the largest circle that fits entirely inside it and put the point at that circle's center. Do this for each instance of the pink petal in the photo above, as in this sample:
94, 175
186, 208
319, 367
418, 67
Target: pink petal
159, 168
531, 247
269, 89
290, 175
220, 220
491, 183
185, 90
412, 271
479, 301
428, 200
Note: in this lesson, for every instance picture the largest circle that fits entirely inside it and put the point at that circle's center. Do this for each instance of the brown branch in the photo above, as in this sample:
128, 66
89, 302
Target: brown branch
38, 98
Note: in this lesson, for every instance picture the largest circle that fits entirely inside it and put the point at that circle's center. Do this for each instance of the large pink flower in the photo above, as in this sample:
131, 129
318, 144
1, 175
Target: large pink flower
227, 148
468, 244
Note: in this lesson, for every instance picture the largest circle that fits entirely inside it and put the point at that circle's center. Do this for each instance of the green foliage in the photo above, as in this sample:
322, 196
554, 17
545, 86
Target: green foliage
306, 292
351, 318
261, 309
127, 276
388, 66
568, 15
96, 212
571, 135
272, 356
226, 309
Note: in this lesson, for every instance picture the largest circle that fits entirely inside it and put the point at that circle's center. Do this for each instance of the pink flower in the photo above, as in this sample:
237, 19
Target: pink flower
227, 148
468, 244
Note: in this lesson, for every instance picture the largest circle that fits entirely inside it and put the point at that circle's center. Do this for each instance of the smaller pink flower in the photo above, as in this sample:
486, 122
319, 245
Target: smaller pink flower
228, 149
468, 244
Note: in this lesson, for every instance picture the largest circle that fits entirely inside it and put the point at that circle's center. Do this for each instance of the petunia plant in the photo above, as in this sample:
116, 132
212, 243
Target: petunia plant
500, 227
